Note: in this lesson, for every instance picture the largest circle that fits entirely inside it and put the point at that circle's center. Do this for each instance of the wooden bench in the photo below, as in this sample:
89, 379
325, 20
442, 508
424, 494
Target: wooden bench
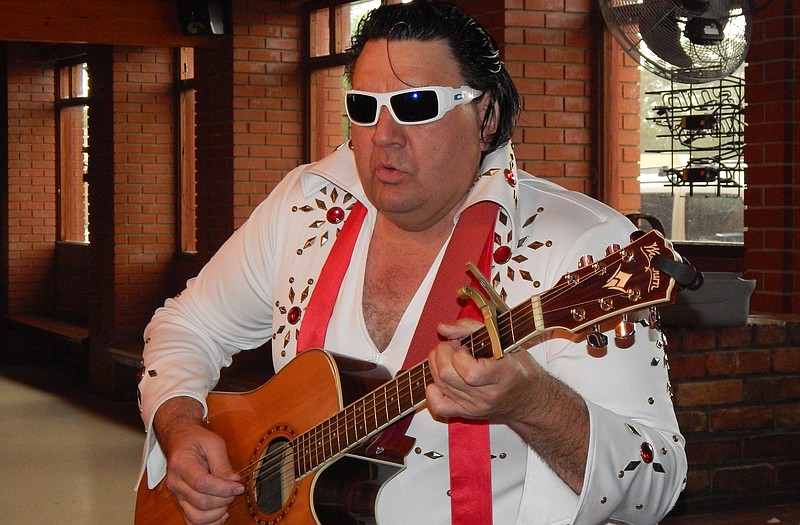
37, 338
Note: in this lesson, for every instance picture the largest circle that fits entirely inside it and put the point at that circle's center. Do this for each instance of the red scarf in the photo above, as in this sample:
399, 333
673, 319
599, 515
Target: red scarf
472, 239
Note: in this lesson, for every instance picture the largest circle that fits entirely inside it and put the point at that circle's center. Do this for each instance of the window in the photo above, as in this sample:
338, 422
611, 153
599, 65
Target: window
186, 168
72, 99
329, 31
692, 169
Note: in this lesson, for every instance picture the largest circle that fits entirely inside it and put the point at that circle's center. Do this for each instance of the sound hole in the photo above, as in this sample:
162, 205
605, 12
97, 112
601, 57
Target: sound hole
274, 476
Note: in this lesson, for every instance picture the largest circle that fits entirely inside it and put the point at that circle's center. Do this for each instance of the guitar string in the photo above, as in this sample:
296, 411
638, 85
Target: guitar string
315, 450
310, 448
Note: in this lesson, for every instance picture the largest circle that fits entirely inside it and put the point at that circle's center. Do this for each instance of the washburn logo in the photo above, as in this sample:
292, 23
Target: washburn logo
618, 281
650, 251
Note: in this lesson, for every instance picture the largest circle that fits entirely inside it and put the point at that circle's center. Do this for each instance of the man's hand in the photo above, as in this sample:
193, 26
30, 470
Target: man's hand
515, 391
497, 390
199, 474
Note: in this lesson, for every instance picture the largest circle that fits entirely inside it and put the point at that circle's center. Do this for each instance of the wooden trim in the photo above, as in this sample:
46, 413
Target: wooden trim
128, 22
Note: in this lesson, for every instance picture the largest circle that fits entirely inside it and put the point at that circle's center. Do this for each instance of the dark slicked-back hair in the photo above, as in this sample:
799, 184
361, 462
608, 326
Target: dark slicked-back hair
475, 51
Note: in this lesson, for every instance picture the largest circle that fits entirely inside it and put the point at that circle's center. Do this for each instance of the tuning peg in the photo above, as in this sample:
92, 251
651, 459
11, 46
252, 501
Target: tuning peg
586, 260
596, 339
654, 319
613, 248
625, 329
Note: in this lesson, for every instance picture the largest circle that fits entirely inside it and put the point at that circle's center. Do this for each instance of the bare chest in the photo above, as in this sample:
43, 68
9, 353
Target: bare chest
390, 283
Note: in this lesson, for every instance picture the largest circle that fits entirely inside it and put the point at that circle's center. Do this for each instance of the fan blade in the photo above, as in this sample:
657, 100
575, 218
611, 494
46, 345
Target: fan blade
658, 25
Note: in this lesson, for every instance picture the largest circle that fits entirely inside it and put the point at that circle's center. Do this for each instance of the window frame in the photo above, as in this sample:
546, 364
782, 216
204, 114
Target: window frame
63, 104
334, 57
186, 167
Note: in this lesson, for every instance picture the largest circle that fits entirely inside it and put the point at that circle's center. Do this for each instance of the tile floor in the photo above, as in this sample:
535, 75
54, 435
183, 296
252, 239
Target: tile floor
69, 457
66, 456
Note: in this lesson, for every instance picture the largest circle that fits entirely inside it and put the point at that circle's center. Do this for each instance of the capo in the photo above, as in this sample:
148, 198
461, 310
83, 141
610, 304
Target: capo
489, 308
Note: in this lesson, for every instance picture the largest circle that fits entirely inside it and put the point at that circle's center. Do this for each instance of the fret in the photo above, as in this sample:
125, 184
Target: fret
506, 323
338, 434
320, 443
344, 431
388, 399
304, 453
421, 380
299, 465
401, 384
374, 399
327, 440
349, 439
391, 398
358, 414
315, 457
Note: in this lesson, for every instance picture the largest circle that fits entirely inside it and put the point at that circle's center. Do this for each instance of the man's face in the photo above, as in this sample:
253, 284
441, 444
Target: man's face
415, 175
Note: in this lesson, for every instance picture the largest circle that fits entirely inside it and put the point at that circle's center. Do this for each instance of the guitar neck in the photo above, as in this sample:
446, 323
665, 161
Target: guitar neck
361, 419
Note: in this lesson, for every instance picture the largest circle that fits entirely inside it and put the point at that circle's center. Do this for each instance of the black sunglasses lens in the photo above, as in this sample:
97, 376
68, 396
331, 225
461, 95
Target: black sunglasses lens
415, 106
361, 108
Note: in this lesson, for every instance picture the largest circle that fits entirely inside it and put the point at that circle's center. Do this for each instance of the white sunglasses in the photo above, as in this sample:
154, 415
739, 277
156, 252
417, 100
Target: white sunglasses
407, 106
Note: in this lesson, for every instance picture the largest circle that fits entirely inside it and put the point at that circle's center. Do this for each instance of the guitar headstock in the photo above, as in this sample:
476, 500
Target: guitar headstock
625, 280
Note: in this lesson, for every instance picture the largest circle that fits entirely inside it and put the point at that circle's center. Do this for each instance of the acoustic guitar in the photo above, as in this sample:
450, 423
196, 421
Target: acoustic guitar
314, 445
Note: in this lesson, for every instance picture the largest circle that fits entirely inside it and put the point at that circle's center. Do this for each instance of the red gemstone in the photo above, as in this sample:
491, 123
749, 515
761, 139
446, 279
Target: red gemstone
510, 177
335, 215
647, 452
294, 315
502, 255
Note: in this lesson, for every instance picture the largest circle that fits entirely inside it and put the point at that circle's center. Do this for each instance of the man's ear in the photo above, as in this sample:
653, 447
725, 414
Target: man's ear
490, 128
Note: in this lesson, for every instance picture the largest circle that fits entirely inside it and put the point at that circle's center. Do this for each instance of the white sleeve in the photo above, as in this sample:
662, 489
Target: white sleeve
636, 464
227, 308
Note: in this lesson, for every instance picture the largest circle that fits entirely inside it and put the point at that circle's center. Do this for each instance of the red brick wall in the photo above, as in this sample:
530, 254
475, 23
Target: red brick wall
31, 226
326, 118
145, 185
737, 396
132, 195
772, 154
269, 99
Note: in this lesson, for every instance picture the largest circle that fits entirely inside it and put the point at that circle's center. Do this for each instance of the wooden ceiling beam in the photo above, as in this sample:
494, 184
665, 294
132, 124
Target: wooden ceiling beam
128, 22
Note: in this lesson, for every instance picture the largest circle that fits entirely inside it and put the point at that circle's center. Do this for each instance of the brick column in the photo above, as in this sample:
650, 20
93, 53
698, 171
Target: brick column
772, 154
132, 202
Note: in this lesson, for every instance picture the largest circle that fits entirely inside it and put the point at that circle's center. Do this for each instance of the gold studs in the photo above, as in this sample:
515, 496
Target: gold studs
603, 500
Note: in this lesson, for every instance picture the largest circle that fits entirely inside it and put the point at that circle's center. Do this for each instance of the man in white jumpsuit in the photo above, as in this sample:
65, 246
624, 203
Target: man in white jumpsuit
576, 436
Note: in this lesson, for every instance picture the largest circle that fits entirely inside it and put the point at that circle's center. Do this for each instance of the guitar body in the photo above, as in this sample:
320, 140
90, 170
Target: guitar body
310, 389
